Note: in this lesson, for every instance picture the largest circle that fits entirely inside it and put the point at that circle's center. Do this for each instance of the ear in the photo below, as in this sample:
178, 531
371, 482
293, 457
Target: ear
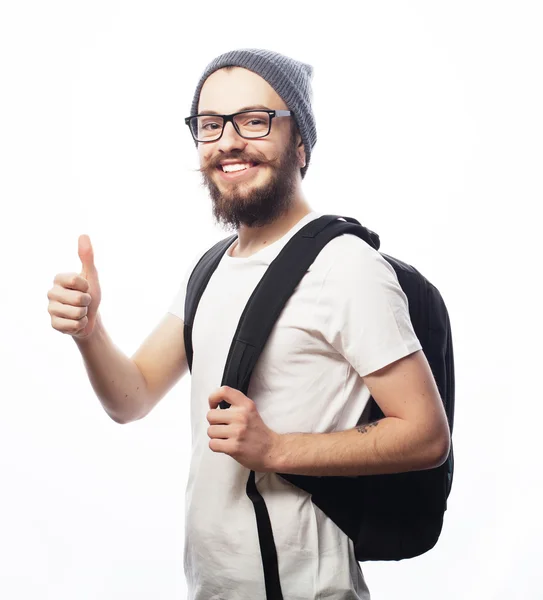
300, 151
299, 144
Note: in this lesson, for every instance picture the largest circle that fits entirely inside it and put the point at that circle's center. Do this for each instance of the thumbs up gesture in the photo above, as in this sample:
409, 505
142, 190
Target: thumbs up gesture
75, 297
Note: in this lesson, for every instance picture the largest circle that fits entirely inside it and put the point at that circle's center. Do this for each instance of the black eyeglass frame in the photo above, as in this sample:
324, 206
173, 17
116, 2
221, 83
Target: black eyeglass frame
230, 118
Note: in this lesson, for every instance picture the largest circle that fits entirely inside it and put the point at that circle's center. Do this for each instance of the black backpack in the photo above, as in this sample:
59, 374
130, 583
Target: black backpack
388, 517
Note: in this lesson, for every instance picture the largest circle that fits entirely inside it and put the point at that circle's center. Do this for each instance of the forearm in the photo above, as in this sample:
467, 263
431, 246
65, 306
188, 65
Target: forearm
391, 445
115, 378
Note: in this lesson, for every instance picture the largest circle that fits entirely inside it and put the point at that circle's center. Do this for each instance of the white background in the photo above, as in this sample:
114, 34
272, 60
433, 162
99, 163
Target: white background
430, 132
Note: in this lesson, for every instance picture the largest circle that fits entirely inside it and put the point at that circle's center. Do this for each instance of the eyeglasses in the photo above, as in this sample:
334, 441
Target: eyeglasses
249, 124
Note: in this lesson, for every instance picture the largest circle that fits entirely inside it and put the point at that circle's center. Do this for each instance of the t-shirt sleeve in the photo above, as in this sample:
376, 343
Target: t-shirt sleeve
364, 309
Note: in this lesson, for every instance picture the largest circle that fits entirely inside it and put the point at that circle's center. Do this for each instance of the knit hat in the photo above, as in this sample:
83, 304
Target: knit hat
290, 78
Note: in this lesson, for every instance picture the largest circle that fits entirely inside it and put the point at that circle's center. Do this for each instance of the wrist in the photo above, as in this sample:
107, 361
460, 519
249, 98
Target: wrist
96, 332
277, 453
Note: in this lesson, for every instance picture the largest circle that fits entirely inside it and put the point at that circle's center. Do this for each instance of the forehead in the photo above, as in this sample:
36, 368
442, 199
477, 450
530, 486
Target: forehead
227, 91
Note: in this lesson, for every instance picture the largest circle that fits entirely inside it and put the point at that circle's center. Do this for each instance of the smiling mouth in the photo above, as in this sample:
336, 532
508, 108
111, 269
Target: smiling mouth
238, 172
236, 167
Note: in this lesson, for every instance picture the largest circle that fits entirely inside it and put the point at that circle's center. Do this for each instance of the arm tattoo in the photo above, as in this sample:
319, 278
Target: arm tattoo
365, 428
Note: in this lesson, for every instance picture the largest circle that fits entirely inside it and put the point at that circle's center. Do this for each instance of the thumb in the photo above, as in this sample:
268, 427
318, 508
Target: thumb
86, 254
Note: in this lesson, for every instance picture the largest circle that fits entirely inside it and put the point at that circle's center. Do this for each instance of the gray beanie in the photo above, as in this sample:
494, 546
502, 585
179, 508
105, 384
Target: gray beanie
290, 78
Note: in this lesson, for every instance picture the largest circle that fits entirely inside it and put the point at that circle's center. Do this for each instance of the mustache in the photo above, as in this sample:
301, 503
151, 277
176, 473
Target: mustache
258, 159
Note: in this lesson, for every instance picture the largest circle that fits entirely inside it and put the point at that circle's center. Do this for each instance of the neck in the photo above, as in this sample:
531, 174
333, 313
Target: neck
252, 239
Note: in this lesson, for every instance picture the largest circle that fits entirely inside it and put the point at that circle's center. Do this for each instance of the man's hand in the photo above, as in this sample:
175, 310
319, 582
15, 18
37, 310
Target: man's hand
240, 432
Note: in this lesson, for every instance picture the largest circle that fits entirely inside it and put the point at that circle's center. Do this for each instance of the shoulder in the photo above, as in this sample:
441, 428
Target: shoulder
348, 258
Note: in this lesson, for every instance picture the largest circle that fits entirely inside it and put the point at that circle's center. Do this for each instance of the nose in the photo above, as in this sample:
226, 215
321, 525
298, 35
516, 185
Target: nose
230, 140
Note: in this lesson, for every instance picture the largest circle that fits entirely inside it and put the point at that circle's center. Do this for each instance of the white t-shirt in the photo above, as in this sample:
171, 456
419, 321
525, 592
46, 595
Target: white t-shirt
347, 318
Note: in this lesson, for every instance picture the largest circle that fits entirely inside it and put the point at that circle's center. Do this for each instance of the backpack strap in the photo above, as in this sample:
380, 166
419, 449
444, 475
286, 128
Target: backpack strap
196, 285
255, 325
275, 288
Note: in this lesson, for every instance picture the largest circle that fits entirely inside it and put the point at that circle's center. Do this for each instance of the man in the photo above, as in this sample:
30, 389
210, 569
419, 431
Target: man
344, 335
347, 320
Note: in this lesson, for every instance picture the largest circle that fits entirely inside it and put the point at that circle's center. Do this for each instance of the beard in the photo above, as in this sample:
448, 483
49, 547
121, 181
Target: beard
257, 206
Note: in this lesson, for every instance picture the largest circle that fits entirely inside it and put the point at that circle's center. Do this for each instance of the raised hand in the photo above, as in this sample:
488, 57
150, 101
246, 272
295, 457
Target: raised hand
75, 298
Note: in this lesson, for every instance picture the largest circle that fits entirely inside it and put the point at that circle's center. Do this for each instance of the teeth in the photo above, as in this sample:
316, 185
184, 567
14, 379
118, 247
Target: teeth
235, 167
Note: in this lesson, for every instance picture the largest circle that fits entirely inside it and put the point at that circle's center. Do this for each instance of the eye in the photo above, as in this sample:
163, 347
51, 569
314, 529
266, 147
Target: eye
212, 126
209, 123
